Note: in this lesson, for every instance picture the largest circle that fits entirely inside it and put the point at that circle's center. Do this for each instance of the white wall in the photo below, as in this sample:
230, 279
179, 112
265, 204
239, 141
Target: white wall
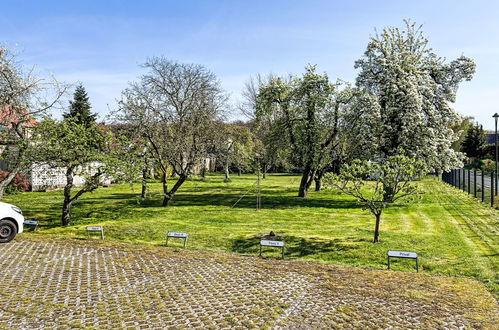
42, 176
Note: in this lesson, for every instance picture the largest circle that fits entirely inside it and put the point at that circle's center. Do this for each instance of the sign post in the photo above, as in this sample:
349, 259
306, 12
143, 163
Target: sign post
403, 254
277, 244
177, 235
96, 229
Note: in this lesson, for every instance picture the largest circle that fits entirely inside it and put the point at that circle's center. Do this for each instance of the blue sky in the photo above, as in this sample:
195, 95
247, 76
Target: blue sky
102, 43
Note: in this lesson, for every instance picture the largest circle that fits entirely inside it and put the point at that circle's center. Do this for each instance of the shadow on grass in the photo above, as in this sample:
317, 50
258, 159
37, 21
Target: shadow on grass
295, 247
268, 201
113, 205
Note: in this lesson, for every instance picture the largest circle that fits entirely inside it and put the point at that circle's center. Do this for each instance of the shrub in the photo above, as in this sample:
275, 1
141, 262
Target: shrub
19, 183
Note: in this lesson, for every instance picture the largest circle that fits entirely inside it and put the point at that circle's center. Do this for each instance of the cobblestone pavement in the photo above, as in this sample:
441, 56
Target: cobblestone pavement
63, 284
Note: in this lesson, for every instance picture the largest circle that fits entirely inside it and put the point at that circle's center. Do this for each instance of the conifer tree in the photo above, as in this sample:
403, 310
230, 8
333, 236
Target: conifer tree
474, 144
80, 107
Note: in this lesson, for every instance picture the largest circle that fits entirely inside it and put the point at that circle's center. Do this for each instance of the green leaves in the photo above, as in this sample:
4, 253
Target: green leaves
67, 143
301, 112
376, 184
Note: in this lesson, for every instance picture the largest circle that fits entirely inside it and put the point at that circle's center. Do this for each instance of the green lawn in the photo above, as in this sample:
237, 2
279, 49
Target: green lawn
453, 233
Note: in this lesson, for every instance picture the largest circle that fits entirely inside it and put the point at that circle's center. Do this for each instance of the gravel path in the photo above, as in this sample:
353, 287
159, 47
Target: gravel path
77, 283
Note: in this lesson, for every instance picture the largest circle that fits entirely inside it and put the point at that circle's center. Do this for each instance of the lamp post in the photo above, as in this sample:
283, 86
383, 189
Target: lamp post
495, 117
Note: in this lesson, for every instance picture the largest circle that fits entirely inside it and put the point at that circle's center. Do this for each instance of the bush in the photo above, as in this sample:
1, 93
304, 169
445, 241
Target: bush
19, 183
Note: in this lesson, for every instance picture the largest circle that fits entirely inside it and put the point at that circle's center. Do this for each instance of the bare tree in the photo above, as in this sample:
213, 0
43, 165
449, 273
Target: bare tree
24, 97
247, 106
174, 106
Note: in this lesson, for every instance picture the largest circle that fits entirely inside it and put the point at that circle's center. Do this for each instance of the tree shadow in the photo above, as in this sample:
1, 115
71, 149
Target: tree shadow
268, 201
295, 247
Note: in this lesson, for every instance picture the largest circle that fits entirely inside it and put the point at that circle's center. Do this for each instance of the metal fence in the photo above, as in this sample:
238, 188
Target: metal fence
481, 184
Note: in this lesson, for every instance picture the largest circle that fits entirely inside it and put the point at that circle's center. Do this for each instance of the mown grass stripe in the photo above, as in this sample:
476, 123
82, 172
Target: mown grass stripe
449, 229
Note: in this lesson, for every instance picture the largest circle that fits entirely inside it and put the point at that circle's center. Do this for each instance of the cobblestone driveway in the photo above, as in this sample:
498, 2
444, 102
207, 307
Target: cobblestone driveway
102, 285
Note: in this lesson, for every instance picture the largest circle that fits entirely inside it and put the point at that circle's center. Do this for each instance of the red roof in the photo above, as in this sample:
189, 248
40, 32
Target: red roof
9, 117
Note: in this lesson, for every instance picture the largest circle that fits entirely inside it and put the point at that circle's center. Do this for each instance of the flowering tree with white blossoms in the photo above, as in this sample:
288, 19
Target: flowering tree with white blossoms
410, 88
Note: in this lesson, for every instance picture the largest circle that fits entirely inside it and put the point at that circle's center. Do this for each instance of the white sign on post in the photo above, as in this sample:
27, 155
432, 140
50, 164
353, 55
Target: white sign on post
32, 223
96, 229
403, 254
278, 244
272, 243
174, 234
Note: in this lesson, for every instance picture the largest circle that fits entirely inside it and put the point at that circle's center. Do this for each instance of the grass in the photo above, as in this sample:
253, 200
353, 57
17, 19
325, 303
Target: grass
452, 233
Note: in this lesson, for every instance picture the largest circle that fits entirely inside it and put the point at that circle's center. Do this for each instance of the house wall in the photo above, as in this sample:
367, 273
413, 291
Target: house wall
42, 176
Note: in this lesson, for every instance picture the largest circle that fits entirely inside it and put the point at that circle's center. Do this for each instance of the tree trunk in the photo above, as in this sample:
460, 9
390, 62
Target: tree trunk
304, 183
66, 212
318, 181
310, 179
376, 229
169, 195
144, 183
335, 166
164, 183
227, 174
388, 195
264, 170
66, 206
238, 171
7, 180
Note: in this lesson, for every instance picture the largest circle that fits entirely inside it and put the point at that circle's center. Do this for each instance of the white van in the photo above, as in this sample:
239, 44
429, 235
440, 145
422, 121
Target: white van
11, 222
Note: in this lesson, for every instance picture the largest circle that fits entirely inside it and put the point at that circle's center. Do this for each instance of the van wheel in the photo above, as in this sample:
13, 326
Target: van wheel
8, 231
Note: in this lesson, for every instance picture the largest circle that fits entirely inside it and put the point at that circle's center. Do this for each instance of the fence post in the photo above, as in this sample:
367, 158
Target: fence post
458, 178
492, 189
483, 186
469, 182
463, 187
464, 179
474, 183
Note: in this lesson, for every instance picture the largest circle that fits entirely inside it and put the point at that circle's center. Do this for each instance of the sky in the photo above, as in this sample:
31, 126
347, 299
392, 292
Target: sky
102, 43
